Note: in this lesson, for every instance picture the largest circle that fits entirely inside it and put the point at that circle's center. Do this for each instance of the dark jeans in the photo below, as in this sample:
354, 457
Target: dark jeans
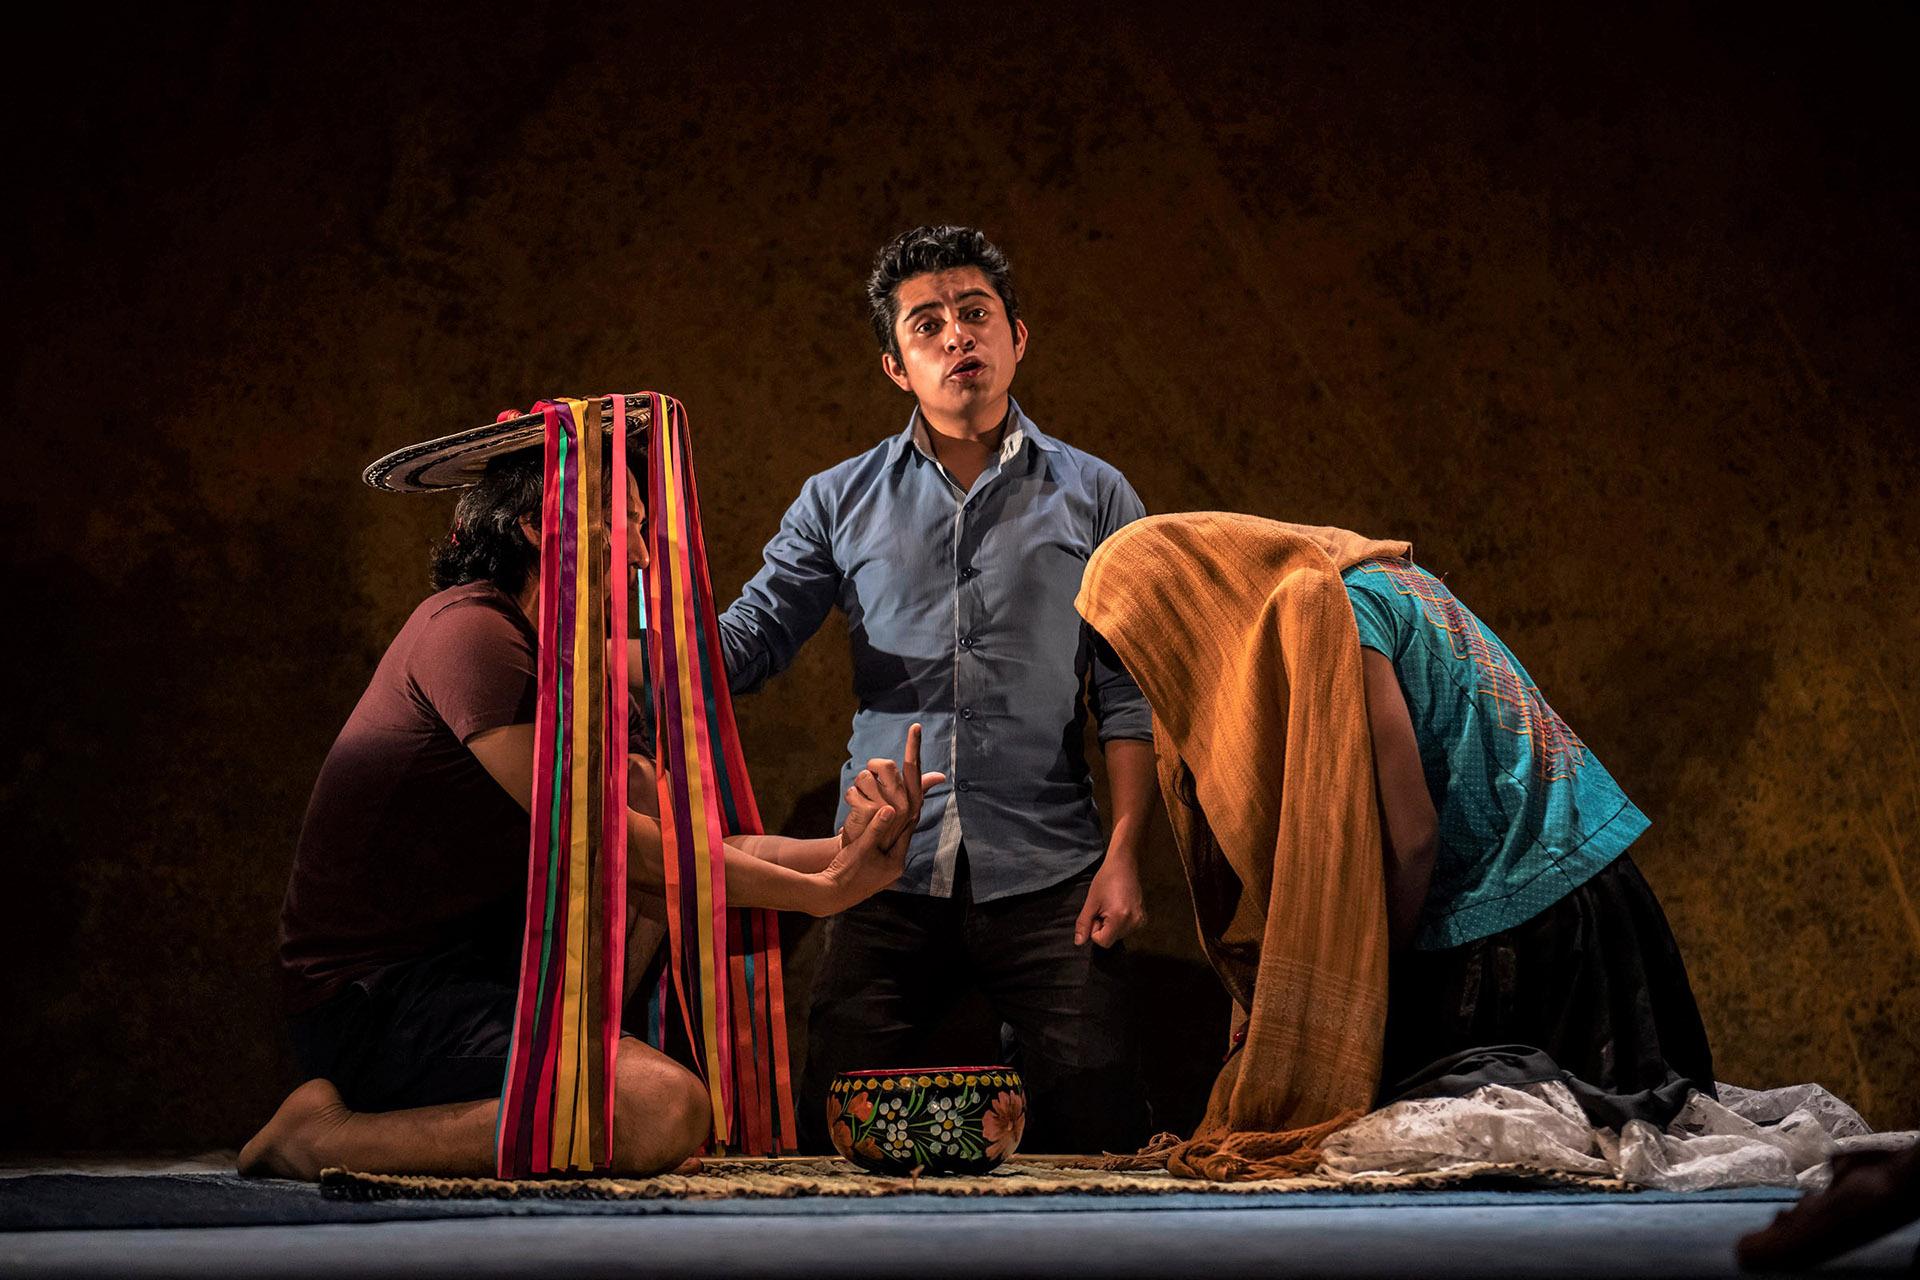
893, 966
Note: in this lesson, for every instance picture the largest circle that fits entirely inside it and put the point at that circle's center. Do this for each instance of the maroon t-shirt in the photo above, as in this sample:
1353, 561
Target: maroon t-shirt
409, 846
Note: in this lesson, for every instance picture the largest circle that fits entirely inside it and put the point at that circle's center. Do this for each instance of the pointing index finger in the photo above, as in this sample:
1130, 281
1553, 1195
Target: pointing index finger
912, 762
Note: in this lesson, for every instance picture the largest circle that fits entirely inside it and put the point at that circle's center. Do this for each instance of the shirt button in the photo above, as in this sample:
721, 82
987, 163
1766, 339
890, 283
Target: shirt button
968, 572
966, 786
966, 642
966, 713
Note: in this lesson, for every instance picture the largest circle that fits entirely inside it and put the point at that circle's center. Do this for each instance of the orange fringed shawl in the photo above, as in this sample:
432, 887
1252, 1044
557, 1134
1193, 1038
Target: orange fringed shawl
1239, 632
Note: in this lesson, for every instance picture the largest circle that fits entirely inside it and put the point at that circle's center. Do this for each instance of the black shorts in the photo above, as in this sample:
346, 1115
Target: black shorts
436, 1029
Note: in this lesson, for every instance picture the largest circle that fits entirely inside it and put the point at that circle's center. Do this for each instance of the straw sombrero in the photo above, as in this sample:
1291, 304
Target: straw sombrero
458, 460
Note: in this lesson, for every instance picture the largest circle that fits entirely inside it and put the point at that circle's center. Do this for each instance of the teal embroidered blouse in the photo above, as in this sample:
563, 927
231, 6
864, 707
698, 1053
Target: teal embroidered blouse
1526, 813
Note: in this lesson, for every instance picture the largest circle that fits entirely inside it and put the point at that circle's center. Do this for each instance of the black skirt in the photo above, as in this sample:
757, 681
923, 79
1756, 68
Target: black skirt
1595, 980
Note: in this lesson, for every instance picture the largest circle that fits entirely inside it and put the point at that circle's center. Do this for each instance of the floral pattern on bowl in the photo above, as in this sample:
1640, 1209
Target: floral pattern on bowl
933, 1119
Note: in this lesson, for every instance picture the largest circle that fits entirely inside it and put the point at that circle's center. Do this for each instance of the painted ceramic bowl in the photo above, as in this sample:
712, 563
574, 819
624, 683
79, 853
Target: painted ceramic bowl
934, 1119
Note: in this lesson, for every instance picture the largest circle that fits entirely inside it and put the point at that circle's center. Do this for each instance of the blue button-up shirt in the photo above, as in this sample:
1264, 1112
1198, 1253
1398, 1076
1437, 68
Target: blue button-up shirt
959, 606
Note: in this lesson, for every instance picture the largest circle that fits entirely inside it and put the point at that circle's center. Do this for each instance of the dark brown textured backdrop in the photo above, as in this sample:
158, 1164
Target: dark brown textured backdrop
1612, 314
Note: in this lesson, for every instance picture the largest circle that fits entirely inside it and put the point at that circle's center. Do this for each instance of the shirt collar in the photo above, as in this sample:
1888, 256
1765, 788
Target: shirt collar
1020, 430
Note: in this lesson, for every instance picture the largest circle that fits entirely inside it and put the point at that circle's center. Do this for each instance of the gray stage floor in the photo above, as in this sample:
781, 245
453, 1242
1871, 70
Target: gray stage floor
1481, 1235
1523, 1240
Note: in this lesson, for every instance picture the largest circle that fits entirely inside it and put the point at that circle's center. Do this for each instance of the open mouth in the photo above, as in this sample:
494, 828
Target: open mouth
968, 368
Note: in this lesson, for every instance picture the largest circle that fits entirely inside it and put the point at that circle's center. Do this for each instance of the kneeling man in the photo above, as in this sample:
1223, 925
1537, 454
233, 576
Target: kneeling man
401, 929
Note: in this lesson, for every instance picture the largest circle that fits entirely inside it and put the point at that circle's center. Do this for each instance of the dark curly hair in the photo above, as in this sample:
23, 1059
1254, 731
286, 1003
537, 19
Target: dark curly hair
924, 249
485, 542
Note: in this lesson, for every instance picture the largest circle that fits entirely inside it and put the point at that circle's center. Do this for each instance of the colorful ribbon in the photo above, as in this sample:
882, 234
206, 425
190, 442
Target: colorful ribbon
725, 966
557, 1103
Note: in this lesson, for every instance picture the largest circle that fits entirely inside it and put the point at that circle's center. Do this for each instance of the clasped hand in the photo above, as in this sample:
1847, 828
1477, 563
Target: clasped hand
883, 812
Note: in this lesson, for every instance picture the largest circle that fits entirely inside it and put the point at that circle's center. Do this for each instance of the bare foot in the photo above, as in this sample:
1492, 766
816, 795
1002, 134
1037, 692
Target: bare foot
1872, 1193
288, 1147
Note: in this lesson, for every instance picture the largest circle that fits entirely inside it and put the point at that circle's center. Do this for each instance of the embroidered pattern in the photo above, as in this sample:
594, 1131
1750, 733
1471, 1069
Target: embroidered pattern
1515, 705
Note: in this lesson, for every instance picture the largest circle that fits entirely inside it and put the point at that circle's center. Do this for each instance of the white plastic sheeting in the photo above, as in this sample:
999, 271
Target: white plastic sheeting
1751, 1138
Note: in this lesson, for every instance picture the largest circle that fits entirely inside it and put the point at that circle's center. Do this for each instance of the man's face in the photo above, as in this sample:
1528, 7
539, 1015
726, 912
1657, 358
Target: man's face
637, 556
958, 352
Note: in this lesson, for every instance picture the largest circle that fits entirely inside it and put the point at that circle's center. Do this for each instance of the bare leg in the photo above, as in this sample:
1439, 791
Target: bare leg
661, 1116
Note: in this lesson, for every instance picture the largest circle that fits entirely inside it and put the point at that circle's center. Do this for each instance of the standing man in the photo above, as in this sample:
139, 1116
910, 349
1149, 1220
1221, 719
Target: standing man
955, 549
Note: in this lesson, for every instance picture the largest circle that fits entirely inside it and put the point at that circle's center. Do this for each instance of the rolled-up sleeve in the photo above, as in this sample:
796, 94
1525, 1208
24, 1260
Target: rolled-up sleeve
784, 603
1115, 700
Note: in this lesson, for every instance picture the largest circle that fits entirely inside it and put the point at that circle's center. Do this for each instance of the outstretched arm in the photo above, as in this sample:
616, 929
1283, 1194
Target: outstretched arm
866, 868
882, 784
1410, 825
785, 603
859, 868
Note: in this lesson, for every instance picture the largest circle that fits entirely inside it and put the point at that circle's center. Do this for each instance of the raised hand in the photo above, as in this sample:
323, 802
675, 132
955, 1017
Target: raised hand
883, 811
883, 782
